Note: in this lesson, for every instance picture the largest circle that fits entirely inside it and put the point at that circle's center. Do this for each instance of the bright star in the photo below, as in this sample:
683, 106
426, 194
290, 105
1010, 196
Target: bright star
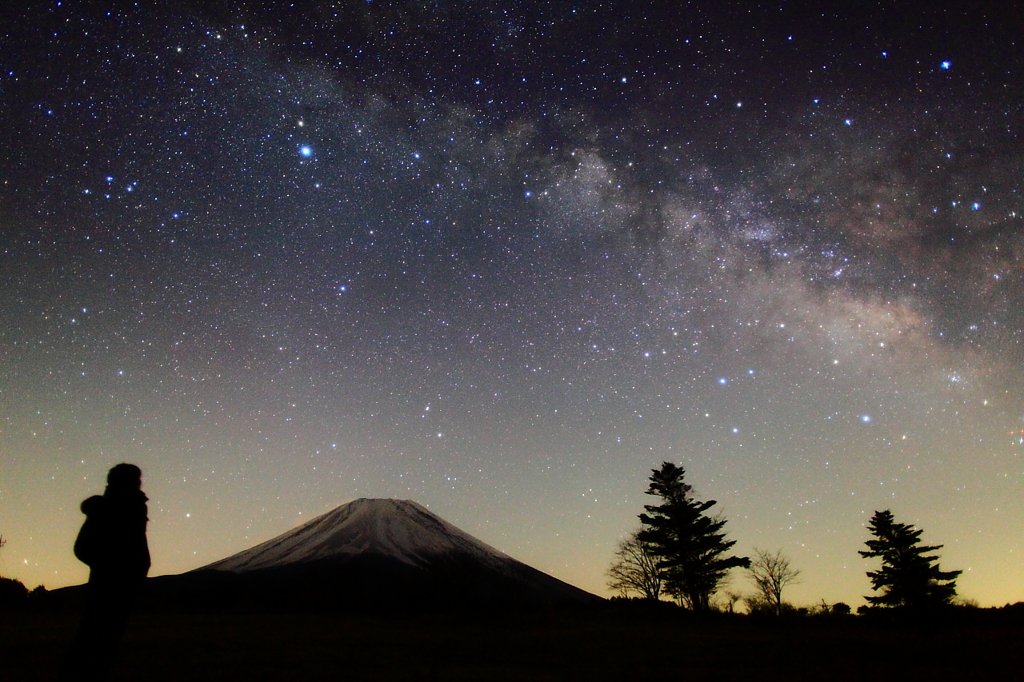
306, 150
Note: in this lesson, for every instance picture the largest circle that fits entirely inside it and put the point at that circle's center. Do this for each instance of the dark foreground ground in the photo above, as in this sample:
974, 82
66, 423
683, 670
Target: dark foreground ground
595, 644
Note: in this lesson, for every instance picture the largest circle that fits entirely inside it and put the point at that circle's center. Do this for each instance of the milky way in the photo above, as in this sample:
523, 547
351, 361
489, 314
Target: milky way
503, 259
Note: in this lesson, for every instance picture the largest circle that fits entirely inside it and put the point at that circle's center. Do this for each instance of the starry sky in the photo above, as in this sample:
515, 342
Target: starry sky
503, 258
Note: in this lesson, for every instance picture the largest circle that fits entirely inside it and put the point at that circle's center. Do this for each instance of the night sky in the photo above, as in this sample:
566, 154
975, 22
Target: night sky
503, 258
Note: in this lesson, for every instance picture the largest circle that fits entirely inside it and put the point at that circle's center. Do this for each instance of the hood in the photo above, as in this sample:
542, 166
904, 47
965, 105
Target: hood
93, 505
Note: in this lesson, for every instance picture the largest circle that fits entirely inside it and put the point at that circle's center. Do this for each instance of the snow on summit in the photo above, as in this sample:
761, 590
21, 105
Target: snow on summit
400, 529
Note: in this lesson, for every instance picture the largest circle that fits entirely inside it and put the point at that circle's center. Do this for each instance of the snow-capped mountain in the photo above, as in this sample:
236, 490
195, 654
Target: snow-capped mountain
367, 554
399, 529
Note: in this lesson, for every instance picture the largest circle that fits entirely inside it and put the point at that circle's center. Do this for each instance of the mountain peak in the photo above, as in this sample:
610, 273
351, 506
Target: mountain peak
372, 553
398, 529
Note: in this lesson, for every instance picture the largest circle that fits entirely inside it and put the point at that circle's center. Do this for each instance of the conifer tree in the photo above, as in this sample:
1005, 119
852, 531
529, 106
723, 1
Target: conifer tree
909, 576
689, 544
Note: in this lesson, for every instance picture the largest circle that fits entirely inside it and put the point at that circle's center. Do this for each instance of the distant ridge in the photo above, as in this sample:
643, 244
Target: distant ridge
372, 553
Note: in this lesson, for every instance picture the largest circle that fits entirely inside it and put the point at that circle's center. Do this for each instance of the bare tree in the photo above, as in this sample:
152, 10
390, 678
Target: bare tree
635, 570
771, 573
729, 600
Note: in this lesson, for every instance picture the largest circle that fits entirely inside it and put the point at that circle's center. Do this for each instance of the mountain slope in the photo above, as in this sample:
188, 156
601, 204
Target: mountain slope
400, 529
371, 553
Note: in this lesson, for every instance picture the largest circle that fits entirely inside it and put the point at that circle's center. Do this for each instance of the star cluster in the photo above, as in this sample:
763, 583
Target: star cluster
503, 258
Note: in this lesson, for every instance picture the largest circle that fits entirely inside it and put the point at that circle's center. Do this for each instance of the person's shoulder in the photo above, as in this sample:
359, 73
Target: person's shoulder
93, 505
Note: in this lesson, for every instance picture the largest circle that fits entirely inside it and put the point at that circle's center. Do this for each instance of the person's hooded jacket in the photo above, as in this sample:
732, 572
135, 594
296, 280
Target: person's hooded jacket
112, 541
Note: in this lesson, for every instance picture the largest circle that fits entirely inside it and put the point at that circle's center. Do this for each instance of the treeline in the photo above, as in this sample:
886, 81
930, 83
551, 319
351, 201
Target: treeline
14, 593
681, 551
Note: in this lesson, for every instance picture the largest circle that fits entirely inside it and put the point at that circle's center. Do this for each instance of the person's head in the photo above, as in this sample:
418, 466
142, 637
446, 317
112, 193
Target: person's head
124, 477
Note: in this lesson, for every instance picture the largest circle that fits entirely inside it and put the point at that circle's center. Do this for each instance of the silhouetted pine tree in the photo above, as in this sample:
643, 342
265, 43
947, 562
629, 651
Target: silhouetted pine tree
689, 544
909, 577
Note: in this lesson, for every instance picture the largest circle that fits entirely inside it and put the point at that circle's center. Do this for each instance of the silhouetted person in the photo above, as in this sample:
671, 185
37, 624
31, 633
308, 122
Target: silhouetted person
113, 544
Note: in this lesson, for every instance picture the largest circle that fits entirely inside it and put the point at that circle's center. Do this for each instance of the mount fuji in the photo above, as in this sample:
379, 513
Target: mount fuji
399, 529
372, 553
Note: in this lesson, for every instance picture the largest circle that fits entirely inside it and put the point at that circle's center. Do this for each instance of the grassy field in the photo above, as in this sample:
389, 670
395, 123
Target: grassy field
600, 644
